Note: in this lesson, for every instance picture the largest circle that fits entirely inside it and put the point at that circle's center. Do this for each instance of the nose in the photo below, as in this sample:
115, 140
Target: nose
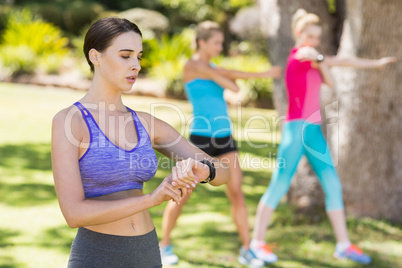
136, 66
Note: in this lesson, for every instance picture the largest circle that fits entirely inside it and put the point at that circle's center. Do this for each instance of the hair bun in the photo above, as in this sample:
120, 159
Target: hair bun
300, 13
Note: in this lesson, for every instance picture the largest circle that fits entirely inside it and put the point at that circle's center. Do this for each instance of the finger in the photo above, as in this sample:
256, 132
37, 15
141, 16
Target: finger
176, 182
184, 181
174, 194
185, 173
189, 164
179, 171
183, 192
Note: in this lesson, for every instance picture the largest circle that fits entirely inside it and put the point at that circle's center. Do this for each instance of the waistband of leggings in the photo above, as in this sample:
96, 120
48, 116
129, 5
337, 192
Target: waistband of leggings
109, 241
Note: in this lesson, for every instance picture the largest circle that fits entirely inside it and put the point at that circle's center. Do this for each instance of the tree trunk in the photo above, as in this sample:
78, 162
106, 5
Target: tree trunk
370, 131
276, 19
362, 116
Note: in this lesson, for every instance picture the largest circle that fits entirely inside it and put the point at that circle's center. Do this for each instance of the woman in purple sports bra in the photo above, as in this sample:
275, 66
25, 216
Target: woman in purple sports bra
103, 152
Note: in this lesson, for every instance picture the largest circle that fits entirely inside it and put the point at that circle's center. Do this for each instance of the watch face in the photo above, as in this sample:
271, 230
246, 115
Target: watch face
320, 58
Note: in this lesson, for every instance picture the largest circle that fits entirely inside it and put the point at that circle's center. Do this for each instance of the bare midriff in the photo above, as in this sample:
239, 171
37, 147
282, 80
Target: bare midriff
137, 224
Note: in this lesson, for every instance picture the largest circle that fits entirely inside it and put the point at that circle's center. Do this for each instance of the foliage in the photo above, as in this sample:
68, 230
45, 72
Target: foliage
24, 29
182, 13
150, 28
29, 40
4, 12
18, 59
256, 91
71, 17
166, 57
206, 9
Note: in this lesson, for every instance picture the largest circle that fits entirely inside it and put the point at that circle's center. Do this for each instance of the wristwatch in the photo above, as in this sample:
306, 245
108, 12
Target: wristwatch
320, 58
212, 171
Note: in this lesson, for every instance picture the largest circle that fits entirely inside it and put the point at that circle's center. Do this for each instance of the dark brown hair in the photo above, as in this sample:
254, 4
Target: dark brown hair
102, 32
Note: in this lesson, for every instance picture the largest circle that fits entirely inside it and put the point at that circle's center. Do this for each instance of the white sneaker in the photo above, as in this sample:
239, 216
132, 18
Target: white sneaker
247, 257
263, 252
168, 256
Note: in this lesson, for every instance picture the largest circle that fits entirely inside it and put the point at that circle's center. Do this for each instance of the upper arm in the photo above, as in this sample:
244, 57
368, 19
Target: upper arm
65, 145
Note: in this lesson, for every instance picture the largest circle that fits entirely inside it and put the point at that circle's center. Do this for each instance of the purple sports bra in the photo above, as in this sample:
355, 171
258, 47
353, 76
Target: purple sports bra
106, 168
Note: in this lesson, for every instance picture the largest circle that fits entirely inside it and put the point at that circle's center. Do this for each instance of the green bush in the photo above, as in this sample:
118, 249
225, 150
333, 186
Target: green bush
18, 60
24, 29
71, 16
165, 59
4, 12
26, 36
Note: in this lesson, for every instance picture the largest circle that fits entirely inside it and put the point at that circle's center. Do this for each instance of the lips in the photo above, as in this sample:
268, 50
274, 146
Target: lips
131, 79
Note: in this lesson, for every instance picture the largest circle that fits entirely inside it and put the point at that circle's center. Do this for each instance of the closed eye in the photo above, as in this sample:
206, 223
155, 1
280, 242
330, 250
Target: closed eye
125, 57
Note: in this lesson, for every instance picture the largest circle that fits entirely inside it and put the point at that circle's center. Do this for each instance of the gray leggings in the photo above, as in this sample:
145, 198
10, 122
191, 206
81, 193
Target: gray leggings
93, 249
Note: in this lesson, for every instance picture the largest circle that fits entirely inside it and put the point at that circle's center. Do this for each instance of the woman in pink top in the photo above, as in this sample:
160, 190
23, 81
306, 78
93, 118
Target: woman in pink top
301, 135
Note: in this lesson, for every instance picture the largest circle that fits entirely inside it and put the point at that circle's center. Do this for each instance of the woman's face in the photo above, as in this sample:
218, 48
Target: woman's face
311, 36
213, 45
119, 64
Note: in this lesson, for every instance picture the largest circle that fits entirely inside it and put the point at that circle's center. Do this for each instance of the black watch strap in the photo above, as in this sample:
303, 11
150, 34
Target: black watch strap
212, 171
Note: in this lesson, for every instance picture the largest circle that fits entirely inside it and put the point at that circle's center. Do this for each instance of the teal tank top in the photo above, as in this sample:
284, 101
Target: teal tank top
211, 118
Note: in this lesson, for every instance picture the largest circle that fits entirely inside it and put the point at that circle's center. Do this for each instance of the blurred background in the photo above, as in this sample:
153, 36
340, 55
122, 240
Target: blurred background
43, 70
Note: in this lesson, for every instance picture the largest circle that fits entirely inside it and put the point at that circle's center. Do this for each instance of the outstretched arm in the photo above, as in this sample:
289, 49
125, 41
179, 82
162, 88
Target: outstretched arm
196, 69
359, 62
273, 72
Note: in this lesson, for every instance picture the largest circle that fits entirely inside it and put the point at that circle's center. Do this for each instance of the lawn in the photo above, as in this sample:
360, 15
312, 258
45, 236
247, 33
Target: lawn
33, 232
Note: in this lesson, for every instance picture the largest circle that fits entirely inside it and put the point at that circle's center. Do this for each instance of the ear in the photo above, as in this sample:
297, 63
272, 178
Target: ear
94, 56
201, 43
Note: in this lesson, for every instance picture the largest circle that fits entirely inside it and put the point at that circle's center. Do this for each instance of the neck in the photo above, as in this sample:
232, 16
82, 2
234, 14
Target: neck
202, 56
104, 95
298, 44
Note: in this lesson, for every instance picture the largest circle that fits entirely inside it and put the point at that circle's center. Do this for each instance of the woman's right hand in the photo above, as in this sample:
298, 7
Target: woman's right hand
385, 60
307, 54
165, 192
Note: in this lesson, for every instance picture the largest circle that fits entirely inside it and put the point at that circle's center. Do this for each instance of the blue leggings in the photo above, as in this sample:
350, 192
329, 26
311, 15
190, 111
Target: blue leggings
302, 138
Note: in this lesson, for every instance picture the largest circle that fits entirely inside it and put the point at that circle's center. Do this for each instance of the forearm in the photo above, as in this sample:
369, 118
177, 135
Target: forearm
326, 74
352, 62
233, 74
94, 212
222, 173
223, 81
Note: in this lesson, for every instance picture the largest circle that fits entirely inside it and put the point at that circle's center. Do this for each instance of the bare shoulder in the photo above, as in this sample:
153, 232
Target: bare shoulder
146, 120
69, 119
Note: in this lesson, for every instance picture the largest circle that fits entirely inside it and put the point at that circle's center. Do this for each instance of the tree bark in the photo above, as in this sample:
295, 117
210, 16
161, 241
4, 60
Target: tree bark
370, 131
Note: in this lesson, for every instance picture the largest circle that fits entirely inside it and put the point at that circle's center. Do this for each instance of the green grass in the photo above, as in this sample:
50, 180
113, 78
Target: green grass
33, 232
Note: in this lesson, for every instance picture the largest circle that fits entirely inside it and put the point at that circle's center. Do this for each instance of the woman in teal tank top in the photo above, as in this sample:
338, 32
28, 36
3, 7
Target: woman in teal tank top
211, 130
